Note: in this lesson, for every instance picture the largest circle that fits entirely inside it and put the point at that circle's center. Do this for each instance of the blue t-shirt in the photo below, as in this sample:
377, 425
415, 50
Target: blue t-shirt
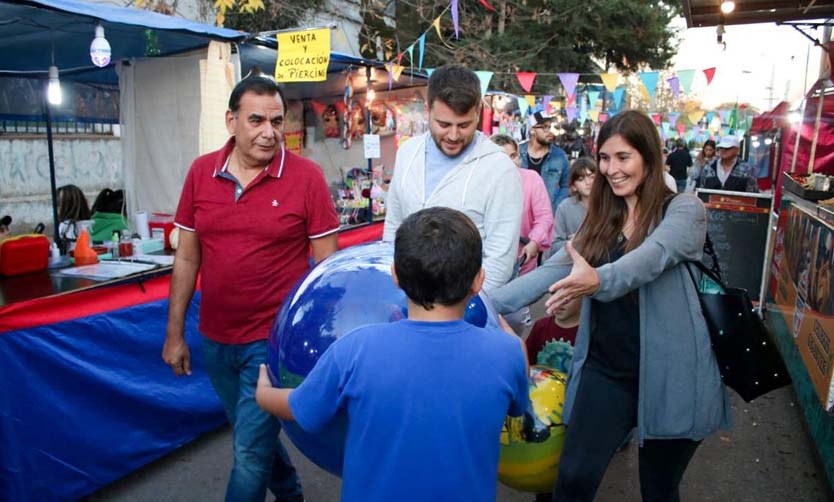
425, 403
438, 164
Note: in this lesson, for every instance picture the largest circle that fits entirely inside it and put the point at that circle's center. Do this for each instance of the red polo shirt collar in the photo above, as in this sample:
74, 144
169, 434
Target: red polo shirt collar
274, 169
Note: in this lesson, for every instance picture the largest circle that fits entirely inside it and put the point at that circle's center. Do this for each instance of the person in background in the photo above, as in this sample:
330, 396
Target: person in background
72, 208
670, 180
562, 325
628, 263
379, 375
704, 157
250, 215
5, 225
728, 172
536, 223
570, 214
541, 154
679, 163
454, 165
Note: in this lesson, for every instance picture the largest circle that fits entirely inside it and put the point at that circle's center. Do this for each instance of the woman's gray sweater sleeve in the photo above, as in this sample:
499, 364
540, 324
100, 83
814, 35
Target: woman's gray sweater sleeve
679, 237
531, 286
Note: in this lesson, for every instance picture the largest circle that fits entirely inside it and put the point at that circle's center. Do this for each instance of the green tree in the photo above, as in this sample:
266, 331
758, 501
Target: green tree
545, 36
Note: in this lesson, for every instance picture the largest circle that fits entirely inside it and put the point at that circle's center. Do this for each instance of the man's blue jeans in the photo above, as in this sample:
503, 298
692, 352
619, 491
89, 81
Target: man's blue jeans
260, 459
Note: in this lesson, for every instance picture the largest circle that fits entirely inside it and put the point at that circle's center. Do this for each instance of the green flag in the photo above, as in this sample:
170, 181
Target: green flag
734, 118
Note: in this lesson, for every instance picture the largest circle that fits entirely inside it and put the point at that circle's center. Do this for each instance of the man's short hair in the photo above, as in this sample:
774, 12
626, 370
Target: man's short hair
261, 85
437, 255
680, 143
456, 86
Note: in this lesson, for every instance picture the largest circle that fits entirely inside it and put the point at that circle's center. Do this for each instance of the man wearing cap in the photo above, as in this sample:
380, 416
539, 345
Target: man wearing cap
542, 155
679, 163
727, 172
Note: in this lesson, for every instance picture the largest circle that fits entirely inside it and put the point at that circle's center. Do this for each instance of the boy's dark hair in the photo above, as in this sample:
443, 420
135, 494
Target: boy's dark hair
257, 83
456, 86
437, 255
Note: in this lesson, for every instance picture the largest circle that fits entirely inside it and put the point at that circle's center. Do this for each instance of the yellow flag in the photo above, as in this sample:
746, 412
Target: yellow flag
555, 106
594, 114
695, 116
610, 80
396, 71
303, 56
436, 25
531, 100
644, 91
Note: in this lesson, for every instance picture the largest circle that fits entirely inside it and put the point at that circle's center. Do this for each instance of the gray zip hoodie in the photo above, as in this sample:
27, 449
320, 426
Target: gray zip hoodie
485, 186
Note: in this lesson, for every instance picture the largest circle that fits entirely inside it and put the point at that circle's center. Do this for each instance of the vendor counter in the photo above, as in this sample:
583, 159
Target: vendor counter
85, 396
800, 312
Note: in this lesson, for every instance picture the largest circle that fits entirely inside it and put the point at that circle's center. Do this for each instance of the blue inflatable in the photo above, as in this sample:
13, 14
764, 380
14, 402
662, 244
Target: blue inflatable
350, 289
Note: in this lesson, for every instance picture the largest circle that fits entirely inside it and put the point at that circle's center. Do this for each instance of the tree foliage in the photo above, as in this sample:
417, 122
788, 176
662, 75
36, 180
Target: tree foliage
255, 16
545, 36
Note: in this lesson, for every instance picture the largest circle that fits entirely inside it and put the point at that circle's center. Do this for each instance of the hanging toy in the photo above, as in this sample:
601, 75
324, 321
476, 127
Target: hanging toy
347, 115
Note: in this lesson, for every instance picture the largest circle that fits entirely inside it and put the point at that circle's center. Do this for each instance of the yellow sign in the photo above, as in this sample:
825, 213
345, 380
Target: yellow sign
303, 56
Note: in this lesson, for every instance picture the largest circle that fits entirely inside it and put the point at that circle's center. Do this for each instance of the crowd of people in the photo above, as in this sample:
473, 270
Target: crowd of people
604, 237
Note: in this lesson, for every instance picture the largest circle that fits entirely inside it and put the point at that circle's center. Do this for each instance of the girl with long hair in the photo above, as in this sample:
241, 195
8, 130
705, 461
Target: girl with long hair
643, 356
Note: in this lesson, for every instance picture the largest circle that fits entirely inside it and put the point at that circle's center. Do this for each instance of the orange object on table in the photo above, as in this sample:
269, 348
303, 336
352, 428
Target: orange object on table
84, 254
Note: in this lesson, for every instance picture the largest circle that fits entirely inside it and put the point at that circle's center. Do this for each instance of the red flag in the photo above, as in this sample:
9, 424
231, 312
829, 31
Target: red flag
571, 99
656, 118
709, 73
526, 79
487, 5
400, 58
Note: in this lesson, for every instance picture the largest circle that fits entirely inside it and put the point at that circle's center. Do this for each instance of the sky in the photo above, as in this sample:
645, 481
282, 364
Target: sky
761, 64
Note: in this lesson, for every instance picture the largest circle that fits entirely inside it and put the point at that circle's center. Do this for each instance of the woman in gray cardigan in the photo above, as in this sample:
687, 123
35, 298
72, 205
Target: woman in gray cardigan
643, 356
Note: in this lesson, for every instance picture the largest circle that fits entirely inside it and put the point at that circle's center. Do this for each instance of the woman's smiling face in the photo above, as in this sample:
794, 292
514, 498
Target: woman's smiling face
622, 165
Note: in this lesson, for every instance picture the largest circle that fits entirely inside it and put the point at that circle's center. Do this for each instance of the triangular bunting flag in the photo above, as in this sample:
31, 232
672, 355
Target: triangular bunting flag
609, 80
685, 77
594, 115
526, 79
681, 128
569, 81
603, 117
455, 19
436, 25
664, 126
649, 79
398, 70
675, 84
734, 118
571, 113
571, 99
428, 71
484, 77
656, 118
487, 5
673, 118
695, 116
710, 116
523, 107
644, 91
619, 92
421, 42
531, 100
593, 97
709, 73
410, 52
725, 115
390, 66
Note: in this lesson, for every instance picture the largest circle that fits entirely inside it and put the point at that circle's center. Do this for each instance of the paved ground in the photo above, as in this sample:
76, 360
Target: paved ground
766, 457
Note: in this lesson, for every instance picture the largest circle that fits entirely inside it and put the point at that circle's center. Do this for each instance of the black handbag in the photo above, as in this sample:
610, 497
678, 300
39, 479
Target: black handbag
748, 360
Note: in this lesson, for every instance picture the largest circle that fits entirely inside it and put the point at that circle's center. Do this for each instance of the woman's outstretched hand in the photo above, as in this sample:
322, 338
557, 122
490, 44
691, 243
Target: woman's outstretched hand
582, 281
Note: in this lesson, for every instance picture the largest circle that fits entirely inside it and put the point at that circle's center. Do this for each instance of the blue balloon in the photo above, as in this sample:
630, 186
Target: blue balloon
350, 289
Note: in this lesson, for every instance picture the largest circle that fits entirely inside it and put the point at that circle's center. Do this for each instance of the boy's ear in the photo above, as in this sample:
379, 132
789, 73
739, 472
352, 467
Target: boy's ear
478, 282
394, 276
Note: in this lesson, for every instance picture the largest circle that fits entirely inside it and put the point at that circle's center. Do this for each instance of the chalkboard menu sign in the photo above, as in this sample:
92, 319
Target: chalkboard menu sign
737, 224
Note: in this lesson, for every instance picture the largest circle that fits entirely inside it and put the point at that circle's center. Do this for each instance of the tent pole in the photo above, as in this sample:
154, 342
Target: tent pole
47, 114
368, 129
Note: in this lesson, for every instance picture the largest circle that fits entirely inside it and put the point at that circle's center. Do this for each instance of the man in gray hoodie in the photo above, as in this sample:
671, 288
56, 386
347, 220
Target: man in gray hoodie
453, 165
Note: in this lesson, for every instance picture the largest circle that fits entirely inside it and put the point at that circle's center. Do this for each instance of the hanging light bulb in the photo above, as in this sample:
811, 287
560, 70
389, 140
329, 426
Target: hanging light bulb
100, 48
728, 6
53, 88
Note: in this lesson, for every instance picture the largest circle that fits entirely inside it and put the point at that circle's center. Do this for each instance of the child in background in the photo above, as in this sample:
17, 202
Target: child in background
424, 418
571, 212
563, 325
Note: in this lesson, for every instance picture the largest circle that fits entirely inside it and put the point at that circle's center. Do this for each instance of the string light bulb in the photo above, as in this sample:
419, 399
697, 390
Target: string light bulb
728, 6
100, 48
53, 87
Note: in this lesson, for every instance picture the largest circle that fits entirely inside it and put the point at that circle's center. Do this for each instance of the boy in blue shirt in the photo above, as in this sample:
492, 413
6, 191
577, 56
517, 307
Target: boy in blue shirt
426, 396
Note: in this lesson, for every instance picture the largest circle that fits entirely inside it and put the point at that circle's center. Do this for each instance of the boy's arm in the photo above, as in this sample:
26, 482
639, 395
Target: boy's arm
274, 401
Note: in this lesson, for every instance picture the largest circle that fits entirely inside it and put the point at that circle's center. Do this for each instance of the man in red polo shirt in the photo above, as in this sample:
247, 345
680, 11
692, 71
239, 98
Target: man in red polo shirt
248, 216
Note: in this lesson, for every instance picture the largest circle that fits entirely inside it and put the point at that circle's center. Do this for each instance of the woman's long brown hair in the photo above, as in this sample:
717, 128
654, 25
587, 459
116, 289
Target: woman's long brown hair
606, 211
